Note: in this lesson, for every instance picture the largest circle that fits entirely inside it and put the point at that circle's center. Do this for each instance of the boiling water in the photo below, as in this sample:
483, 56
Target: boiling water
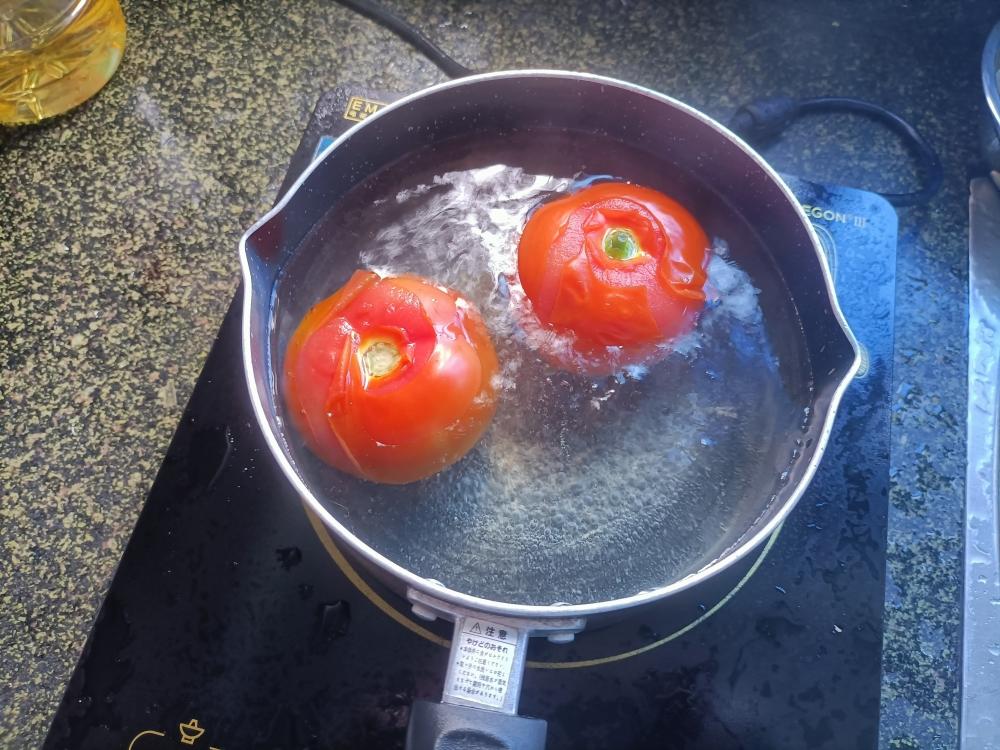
582, 489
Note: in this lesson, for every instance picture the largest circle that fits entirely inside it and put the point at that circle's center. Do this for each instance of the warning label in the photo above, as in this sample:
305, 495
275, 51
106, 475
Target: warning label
483, 662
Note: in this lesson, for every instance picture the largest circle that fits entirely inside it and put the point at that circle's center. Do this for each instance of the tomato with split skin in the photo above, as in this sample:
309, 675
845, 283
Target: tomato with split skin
618, 268
391, 379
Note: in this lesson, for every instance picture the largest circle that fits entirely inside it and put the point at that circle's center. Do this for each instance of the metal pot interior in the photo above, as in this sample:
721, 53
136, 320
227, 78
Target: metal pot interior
587, 493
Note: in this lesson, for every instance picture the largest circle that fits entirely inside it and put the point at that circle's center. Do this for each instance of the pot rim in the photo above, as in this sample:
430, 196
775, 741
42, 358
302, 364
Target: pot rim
508, 609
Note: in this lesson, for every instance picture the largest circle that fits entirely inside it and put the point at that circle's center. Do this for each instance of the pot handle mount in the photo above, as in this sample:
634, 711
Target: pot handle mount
478, 708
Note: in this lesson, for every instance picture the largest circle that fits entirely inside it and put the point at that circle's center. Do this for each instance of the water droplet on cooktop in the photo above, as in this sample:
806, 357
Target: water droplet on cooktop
335, 619
209, 452
288, 557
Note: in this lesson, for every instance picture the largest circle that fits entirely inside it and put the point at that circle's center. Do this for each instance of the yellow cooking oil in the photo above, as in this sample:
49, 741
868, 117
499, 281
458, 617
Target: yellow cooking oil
56, 54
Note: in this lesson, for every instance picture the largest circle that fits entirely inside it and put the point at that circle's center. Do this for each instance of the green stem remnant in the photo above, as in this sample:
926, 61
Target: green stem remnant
621, 244
380, 358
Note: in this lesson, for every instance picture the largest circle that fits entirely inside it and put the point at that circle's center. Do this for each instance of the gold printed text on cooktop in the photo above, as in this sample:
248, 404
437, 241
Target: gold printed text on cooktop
358, 108
187, 735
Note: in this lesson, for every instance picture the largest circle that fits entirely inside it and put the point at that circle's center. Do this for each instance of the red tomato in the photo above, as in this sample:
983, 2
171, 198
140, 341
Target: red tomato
615, 265
391, 379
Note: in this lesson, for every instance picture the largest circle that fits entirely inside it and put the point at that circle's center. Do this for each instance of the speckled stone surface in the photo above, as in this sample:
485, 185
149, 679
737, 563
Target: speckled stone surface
119, 224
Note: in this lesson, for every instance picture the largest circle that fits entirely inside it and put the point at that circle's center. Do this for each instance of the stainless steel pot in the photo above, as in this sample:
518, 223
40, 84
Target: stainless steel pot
779, 250
981, 616
990, 73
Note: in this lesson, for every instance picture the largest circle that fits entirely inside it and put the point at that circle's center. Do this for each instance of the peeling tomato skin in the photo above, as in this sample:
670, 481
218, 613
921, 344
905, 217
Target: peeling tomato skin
635, 305
430, 406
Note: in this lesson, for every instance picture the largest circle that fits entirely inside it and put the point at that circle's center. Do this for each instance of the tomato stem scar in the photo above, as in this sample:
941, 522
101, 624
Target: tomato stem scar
621, 244
380, 358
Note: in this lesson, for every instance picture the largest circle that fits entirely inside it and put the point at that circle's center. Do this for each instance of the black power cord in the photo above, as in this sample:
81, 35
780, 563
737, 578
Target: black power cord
409, 34
761, 121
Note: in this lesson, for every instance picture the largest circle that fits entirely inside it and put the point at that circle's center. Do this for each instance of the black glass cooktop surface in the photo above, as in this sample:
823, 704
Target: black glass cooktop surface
234, 622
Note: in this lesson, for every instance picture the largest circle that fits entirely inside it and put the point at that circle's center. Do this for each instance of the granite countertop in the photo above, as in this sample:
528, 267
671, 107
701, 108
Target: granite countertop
119, 225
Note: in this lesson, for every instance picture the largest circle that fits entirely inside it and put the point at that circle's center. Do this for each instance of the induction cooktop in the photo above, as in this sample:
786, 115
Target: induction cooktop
234, 621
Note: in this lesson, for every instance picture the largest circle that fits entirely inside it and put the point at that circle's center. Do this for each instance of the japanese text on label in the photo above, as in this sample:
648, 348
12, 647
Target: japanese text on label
483, 663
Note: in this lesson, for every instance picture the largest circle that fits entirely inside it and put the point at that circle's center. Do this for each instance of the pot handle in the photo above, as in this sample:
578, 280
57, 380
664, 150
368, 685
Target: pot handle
478, 709
445, 726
